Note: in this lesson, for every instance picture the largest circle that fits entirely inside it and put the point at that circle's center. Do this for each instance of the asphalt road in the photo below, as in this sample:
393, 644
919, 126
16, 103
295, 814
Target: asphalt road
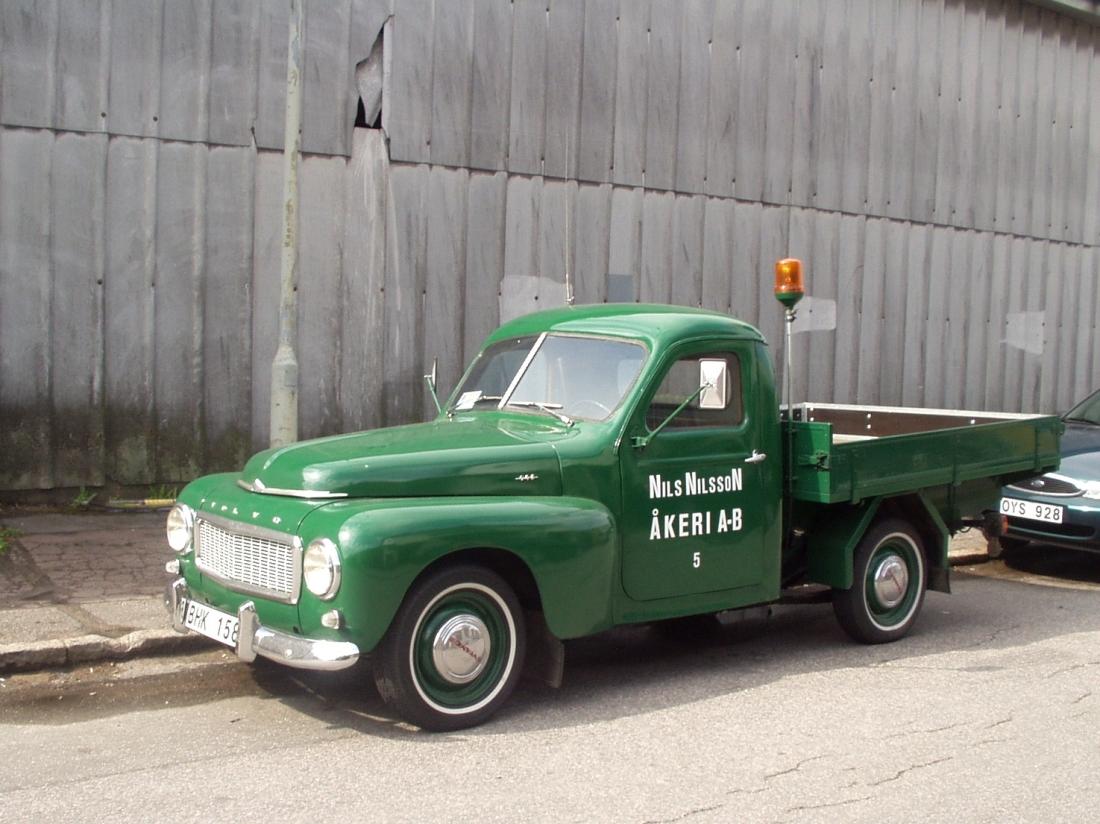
990, 711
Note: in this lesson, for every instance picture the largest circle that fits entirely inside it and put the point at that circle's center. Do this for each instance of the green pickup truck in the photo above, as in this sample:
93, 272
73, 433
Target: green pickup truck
596, 466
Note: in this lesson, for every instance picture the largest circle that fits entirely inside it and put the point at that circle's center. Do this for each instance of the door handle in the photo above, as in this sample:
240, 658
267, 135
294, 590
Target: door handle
756, 457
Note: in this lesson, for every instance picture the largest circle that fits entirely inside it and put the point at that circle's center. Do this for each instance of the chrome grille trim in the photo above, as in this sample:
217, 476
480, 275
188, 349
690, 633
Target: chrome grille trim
249, 559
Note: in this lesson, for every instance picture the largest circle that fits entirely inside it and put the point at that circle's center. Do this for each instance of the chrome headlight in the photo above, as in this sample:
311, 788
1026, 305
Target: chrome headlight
321, 568
181, 527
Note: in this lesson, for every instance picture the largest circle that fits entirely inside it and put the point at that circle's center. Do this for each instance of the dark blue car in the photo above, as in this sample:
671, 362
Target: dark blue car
1062, 507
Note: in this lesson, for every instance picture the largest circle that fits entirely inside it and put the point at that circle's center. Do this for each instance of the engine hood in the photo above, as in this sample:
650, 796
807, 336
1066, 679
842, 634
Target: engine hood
482, 454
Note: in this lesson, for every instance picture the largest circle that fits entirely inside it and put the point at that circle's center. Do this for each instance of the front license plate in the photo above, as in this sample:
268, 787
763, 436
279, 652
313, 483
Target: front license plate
1032, 511
212, 623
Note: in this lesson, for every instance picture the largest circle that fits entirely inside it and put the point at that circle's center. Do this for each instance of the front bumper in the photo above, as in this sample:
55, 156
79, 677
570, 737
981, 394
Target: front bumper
255, 639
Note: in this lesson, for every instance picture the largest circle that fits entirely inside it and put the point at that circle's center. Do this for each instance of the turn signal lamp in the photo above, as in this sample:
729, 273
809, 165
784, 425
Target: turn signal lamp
788, 282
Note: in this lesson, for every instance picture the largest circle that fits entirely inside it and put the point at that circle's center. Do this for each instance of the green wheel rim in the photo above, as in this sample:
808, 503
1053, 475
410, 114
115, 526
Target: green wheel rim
885, 612
467, 601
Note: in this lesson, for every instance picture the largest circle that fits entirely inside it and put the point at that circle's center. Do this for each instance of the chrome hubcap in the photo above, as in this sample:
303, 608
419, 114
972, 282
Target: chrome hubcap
891, 581
461, 648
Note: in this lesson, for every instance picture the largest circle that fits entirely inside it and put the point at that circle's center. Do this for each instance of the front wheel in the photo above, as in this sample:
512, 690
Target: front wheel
888, 585
455, 649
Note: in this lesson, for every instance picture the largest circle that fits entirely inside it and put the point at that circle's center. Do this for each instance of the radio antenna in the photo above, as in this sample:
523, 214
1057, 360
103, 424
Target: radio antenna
569, 296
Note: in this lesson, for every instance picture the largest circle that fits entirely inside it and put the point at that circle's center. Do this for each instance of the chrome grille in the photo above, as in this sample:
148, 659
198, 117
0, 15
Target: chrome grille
249, 559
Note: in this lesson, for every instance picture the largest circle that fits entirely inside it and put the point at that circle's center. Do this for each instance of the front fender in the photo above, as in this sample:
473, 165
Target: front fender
568, 544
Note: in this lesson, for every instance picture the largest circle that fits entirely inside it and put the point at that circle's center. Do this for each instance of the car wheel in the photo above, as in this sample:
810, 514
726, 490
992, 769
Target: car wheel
454, 652
888, 585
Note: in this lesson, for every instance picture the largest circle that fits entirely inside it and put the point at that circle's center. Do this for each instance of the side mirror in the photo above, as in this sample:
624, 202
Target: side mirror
713, 384
430, 379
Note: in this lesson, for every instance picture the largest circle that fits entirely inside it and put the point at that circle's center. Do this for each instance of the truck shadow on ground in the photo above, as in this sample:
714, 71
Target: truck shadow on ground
636, 670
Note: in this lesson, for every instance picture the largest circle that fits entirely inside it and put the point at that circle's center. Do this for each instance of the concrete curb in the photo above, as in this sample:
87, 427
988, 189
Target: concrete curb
969, 559
90, 648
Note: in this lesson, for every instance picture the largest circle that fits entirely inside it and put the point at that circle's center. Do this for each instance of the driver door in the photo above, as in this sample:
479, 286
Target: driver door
694, 496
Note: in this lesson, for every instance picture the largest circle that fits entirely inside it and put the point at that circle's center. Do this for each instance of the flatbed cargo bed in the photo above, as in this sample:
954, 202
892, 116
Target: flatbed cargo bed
849, 453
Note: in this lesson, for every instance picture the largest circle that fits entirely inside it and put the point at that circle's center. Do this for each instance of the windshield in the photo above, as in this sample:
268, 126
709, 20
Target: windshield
1087, 410
570, 375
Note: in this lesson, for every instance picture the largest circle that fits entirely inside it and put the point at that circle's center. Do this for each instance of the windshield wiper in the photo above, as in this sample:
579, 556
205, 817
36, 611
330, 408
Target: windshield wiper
548, 408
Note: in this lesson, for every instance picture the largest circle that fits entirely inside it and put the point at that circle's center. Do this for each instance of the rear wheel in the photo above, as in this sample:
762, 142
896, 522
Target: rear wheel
887, 587
455, 650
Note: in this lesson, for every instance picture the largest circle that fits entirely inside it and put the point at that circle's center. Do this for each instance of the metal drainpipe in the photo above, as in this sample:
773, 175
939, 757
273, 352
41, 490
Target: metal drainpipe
284, 367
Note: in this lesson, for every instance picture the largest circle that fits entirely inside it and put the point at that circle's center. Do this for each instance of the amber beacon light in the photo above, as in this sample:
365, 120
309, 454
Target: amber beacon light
788, 282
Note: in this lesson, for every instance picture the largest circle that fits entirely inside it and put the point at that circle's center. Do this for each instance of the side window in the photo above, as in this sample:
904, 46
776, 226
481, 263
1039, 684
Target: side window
681, 381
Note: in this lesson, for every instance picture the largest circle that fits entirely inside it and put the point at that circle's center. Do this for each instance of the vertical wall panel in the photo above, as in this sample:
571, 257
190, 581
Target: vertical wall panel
233, 54
555, 234
722, 100
916, 303
696, 18
327, 76
1054, 278
600, 50
185, 71
807, 94
484, 258
1007, 109
871, 300
890, 378
802, 236
979, 362
656, 262
857, 106
971, 109
663, 95
1042, 162
28, 51
490, 86
996, 328
1091, 219
134, 94
592, 233
1077, 159
946, 166
527, 123
686, 272
625, 243
904, 95
1084, 337
565, 35
988, 110
128, 317
177, 289
631, 84
361, 318
752, 100
848, 261
267, 238
410, 117
780, 109
25, 296
1027, 122
444, 279
321, 228
227, 308
717, 253
927, 107
406, 233
76, 317
880, 149
452, 58
745, 275
82, 48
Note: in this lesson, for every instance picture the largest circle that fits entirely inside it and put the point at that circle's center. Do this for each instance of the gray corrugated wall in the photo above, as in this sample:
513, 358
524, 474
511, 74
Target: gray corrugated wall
937, 164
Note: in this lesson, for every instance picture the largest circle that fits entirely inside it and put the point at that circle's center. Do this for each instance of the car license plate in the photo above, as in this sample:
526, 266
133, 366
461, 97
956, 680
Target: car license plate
211, 622
1032, 511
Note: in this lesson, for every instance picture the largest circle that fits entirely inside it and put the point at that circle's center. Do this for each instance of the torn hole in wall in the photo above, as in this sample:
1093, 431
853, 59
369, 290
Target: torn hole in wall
369, 82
